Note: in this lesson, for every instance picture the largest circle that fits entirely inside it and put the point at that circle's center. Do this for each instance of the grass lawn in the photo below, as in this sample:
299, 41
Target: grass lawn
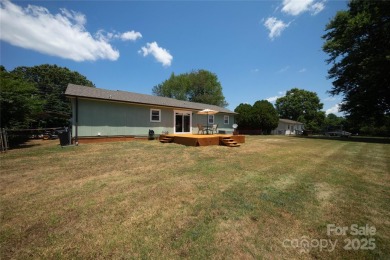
144, 199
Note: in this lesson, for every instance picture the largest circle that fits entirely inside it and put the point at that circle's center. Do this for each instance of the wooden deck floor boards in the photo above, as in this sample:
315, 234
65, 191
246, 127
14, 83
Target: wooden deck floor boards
202, 140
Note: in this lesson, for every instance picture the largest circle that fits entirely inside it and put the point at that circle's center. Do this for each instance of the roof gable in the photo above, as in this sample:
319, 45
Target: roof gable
135, 98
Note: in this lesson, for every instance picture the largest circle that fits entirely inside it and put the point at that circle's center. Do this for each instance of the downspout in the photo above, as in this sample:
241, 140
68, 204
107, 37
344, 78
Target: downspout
76, 138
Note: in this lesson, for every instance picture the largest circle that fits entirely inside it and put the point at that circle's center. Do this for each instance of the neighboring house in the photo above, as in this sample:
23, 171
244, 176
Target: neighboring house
100, 112
288, 127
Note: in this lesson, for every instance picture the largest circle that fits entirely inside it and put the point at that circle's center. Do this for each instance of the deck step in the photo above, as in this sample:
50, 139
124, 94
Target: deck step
166, 140
229, 142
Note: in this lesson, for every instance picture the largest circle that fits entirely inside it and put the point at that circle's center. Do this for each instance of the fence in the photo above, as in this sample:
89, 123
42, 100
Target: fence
3, 140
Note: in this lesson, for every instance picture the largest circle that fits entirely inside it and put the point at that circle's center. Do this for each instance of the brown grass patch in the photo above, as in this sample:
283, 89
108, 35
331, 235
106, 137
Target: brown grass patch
323, 192
150, 200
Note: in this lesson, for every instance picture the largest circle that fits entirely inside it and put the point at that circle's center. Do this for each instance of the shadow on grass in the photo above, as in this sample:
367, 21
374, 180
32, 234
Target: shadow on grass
23, 146
32, 143
361, 139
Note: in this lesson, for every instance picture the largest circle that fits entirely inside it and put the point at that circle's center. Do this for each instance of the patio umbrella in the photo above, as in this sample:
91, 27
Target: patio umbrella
207, 112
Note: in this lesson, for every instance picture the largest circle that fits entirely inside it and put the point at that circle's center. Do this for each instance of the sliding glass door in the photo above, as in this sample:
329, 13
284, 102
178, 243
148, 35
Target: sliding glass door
183, 122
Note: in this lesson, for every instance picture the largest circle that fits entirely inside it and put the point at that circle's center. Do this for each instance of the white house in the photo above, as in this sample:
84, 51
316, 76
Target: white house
288, 127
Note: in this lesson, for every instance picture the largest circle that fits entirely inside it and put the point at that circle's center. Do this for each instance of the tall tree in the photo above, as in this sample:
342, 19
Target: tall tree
265, 116
51, 81
197, 86
357, 41
244, 118
303, 106
174, 87
19, 101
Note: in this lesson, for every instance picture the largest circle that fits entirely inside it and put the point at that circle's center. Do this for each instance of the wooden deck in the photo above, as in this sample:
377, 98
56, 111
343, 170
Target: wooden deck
203, 140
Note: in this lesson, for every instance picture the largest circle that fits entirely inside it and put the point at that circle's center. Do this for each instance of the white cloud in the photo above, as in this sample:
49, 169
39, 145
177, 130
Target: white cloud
160, 54
62, 34
302, 70
274, 98
275, 27
333, 110
126, 36
103, 36
130, 36
296, 7
317, 8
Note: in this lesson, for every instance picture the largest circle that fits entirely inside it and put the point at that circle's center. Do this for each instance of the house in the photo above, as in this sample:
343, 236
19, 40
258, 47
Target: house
101, 112
288, 127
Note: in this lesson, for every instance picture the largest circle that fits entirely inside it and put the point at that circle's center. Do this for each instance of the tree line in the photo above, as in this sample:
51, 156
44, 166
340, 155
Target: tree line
298, 105
33, 97
357, 41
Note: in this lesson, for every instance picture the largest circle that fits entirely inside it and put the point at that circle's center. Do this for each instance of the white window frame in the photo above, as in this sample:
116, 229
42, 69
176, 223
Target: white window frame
151, 115
209, 117
224, 119
174, 120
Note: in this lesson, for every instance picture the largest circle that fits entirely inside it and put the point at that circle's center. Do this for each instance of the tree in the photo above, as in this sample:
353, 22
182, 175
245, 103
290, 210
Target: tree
357, 41
333, 122
244, 118
51, 82
198, 86
175, 87
19, 101
265, 116
261, 116
303, 106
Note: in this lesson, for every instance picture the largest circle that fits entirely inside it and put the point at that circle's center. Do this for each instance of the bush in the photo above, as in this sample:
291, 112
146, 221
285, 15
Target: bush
382, 131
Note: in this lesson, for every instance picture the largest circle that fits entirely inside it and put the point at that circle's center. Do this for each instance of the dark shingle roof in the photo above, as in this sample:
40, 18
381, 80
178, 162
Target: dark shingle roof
135, 98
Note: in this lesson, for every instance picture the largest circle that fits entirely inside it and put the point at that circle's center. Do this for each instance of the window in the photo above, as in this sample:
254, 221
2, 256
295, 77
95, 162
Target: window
155, 115
226, 120
211, 119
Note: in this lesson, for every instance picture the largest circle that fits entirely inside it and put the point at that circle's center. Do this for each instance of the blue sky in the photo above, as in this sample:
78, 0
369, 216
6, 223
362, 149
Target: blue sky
258, 49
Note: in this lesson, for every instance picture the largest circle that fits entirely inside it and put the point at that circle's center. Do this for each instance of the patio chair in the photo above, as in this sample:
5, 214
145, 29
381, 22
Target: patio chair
214, 129
200, 128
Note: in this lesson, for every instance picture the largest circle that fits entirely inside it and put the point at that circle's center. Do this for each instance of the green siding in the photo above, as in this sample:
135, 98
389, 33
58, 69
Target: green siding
114, 118
218, 119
